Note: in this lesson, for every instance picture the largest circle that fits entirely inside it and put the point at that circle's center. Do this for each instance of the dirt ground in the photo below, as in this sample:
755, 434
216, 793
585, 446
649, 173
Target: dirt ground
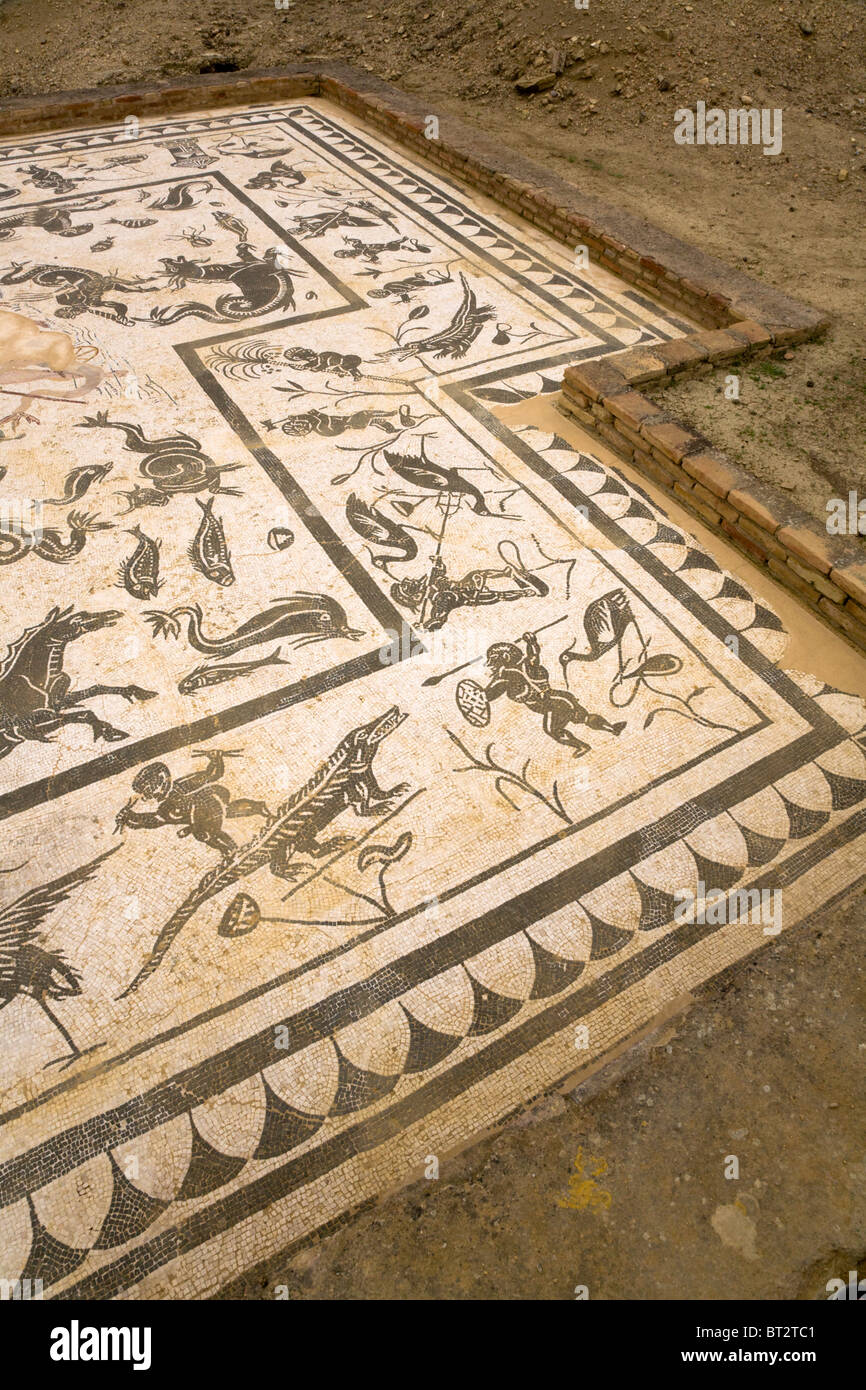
763, 1065
624, 67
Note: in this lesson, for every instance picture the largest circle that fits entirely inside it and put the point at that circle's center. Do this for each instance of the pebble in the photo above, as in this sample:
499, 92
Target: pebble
535, 82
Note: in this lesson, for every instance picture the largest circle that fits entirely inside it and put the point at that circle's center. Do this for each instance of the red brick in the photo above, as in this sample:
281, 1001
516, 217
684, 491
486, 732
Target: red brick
753, 333
817, 580
707, 514
639, 364
680, 353
759, 505
719, 344
633, 408
856, 609
596, 379
786, 576
715, 471
731, 529
842, 617
851, 578
694, 288
717, 503
810, 542
670, 439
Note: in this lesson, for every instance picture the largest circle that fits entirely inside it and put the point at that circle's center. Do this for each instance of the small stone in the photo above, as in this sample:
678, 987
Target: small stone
842, 175
789, 356
806, 27
540, 82
216, 62
664, 83
666, 34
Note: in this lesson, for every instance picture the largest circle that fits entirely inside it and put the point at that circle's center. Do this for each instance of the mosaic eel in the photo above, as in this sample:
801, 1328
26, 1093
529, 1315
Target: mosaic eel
344, 779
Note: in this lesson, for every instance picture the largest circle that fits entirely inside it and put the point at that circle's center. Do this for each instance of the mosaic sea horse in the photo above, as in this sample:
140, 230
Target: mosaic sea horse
36, 698
263, 284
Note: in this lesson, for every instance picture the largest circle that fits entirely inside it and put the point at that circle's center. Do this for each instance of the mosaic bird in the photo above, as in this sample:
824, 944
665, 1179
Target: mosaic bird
25, 967
371, 522
604, 622
419, 471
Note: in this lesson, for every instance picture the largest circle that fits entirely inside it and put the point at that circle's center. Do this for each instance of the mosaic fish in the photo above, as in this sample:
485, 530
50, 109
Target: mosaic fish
139, 575
232, 224
104, 245
301, 618
77, 483
208, 551
206, 675
133, 221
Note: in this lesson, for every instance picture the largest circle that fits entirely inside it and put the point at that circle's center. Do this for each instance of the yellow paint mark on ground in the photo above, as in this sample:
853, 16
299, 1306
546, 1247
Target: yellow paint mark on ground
584, 1193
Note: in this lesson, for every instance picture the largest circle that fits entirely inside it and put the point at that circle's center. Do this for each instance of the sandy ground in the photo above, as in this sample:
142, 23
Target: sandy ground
764, 1064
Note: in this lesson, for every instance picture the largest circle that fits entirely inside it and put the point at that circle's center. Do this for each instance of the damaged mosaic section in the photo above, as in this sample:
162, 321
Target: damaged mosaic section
355, 746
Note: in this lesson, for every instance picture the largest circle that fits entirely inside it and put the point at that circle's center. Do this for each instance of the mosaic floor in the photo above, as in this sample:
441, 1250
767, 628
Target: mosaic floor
357, 749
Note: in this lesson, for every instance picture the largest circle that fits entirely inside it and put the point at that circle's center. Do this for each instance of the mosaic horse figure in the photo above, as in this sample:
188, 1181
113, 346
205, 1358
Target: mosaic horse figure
36, 698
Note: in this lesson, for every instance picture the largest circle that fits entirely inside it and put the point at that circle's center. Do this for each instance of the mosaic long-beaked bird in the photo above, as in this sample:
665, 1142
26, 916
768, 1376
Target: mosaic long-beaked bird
28, 969
419, 471
456, 339
371, 522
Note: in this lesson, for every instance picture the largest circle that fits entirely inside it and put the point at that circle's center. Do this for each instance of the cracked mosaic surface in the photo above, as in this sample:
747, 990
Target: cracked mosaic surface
289, 899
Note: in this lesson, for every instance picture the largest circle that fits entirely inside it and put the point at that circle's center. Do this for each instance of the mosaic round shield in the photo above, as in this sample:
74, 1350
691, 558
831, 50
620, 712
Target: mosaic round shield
473, 703
241, 915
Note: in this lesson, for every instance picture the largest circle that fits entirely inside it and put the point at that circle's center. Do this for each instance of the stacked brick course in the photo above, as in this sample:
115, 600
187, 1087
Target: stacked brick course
827, 572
